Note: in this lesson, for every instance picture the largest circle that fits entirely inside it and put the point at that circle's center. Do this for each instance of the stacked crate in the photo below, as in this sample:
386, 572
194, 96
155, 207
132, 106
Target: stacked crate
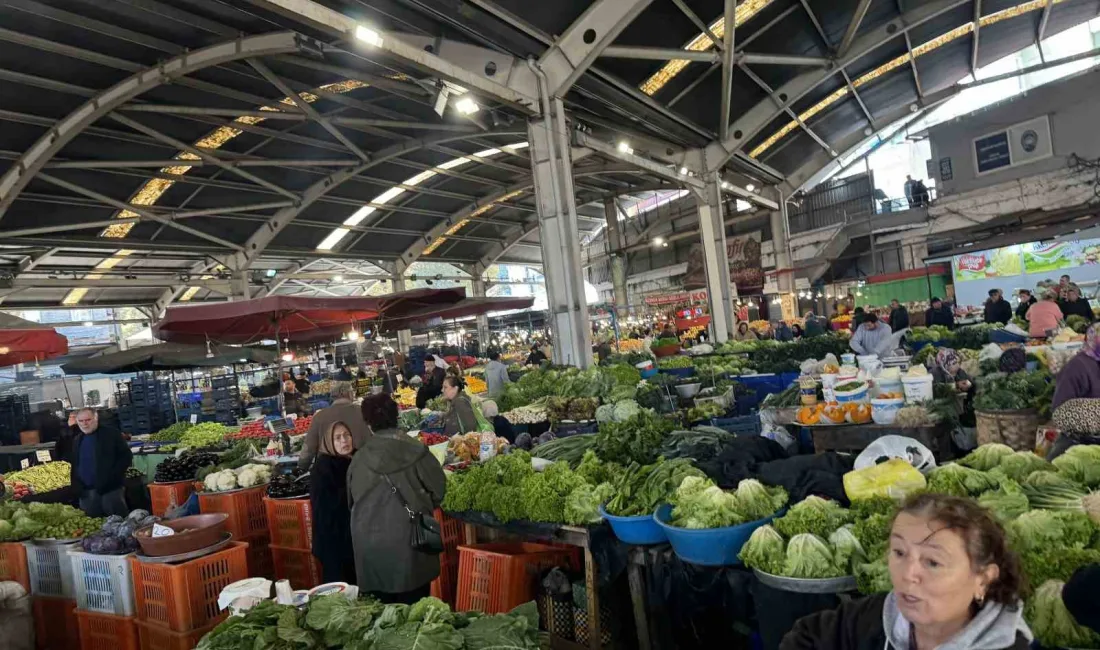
290, 524
224, 400
145, 406
14, 410
247, 522
105, 607
50, 574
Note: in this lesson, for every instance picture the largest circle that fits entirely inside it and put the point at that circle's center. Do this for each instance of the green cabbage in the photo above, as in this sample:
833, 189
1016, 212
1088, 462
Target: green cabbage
1018, 465
765, 551
1081, 463
808, 556
812, 515
1052, 623
847, 551
986, 457
960, 481
699, 503
756, 501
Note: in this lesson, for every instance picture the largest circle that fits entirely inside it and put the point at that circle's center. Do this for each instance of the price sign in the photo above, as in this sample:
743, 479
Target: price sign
194, 418
43, 455
25, 463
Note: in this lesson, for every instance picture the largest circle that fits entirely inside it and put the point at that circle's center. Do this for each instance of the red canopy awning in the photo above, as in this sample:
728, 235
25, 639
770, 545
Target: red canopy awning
24, 341
293, 318
428, 316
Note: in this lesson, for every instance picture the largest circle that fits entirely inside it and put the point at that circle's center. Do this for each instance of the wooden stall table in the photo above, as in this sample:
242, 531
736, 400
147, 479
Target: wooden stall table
572, 536
854, 438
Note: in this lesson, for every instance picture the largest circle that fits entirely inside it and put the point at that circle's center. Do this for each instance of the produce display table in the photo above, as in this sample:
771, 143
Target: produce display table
854, 438
147, 463
11, 456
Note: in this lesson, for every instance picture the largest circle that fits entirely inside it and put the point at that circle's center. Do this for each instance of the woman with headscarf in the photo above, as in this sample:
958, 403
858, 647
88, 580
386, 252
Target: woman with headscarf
948, 370
1076, 400
460, 416
328, 500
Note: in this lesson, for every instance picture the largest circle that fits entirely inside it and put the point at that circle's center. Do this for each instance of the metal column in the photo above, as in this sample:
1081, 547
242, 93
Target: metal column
782, 245
616, 256
482, 319
552, 169
404, 337
712, 231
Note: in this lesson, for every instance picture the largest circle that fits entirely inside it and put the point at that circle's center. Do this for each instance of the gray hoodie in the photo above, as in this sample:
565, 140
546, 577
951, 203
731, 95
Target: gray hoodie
993, 628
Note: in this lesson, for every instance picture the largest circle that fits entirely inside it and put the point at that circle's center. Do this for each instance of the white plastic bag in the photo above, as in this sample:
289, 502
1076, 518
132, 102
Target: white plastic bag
1013, 328
903, 447
990, 351
16, 618
777, 432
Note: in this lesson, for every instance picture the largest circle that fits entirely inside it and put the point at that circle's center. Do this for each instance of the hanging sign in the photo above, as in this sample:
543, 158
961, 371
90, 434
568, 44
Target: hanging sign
1019, 144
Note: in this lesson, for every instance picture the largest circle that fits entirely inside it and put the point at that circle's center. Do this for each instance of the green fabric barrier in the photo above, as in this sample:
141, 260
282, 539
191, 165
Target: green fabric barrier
908, 290
147, 464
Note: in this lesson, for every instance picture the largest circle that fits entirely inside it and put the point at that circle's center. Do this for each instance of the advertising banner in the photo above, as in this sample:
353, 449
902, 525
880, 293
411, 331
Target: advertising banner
1045, 258
996, 263
746, 267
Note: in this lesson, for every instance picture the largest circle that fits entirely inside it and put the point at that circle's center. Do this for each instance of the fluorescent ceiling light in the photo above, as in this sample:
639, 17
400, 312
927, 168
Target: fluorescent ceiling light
388, 195
333, 238
624, 147
368, 35
466, 105
485, 153
452, 163
750, 187
357, 217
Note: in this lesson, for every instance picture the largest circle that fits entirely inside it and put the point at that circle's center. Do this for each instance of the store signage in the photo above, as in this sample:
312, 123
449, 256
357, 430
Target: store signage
996, 263
43, 455
673, 298
194, 418
946, 172
1019, 144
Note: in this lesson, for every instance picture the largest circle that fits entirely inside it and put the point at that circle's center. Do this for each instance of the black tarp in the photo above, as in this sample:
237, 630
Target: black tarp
168, 356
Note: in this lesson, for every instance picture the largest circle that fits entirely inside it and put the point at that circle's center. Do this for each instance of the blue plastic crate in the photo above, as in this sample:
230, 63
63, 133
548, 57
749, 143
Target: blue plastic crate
743, 425
764, 385
1001, 336
788, 378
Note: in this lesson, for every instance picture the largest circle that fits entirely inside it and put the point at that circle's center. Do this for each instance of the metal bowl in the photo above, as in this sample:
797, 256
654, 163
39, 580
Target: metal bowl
808, 585
687, 391
201, 531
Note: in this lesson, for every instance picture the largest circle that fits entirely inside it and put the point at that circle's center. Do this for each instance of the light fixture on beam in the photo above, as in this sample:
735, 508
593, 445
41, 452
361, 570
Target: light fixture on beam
624, 147
368, 35
684, 171
466, 105
337, 278
657, 241
750, 187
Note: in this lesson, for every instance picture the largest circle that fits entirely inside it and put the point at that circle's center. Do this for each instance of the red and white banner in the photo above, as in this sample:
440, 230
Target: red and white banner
674, 298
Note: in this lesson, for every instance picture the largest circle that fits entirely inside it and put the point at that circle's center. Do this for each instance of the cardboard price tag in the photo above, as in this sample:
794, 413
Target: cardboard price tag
194, 418
25, 463
43, 455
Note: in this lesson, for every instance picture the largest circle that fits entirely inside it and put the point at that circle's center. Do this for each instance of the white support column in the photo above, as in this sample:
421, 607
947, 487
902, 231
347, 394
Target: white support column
482, 319
617, 257
552, 170
404, 337
712, 231
781, 245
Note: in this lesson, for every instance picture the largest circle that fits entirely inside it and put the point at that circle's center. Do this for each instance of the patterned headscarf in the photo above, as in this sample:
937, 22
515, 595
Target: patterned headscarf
328, 440
1092, 342
948, 360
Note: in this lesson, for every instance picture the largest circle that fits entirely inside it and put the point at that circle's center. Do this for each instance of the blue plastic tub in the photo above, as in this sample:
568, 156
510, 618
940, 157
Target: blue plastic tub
635, 530
787, 378
764, 385
709, 546
1001, 336
679, 372
648, 372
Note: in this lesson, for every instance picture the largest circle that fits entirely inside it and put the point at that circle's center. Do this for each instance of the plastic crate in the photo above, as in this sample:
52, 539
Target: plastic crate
247, 516
183, 597
745, 425
51, 570
453, 532
13, 564
55, 626
260, 562
298, 566
106, 632
495, 578
152, 637
290, 522
103, 583
164, 495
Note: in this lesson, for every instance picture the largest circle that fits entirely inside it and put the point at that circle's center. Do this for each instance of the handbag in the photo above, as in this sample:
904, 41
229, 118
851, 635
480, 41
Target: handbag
426, 536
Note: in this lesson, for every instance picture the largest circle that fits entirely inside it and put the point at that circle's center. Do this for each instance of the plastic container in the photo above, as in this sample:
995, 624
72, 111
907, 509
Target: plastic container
261, 562
247, 515
857, 395
296, 565
50, 569
290, 522
103, 583
884, 411
151, 637
638, 530
648, 372
711, 546
106, 631
495, 578
1003, 336
164, 495
744, 425
888, 386
917, 389
184, 596
13, 564
687, 391
55, 626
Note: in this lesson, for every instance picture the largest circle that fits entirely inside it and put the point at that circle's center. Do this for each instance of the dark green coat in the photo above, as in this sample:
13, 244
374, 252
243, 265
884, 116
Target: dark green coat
380, 527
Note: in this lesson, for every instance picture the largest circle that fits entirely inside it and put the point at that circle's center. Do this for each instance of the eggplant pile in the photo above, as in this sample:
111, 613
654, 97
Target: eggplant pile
285, 487
116, 536
183, 468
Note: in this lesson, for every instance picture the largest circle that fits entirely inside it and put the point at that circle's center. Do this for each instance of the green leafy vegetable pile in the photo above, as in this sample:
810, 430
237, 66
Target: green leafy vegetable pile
641, 488
636, 440
699, 503
20, 521
1051, 622
1019, 390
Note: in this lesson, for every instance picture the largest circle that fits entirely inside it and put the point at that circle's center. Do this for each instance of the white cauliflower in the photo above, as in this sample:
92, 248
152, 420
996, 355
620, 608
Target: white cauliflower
247, 478
227, 480
211, 482
253, 474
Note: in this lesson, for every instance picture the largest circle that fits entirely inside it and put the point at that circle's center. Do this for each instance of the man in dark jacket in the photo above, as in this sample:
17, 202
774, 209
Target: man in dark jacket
433, 383
899, 316
1026, 301
99, 459
939, 314
997, 309
1074, 304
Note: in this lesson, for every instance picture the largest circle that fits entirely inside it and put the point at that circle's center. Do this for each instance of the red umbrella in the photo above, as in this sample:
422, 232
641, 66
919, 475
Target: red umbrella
24, 341
431, 314
291, 318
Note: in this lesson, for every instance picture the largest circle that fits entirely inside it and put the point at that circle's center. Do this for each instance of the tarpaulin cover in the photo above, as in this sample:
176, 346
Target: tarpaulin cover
433, 315
292, 318
168, 356
24, 341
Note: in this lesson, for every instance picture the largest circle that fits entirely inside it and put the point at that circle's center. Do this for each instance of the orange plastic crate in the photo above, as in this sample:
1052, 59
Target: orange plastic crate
296, 565
452, 530
13, 564
495, 578
183, 597
259, 558
168, 495
152, 637
290, 522
55, 626
443, 587
106, 631
245, 508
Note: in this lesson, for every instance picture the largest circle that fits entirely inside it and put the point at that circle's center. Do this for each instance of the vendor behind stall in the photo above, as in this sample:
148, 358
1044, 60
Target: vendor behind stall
1044, 316
948, 370
870, 336
501, 426
99, 460
460, 416
432, 386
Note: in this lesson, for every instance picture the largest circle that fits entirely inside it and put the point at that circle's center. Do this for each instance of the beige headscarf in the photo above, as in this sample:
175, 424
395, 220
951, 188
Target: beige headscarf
328, 440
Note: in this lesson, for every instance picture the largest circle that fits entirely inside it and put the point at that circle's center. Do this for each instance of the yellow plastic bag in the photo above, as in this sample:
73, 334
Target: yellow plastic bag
894, 478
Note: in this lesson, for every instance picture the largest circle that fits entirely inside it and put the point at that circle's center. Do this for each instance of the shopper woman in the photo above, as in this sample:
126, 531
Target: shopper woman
1080, 378
1044, 315
956, 586
328, 500
391, 476
744, 332
460, 416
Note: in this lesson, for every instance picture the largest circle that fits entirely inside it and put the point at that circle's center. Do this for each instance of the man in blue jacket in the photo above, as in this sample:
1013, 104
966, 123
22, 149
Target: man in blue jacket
99, 459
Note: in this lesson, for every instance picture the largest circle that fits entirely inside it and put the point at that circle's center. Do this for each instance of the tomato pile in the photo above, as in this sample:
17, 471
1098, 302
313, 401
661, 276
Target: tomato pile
433, 438
301, 425
251, 431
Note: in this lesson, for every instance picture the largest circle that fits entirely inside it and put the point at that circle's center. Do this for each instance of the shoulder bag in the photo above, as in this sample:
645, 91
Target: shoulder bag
426, 536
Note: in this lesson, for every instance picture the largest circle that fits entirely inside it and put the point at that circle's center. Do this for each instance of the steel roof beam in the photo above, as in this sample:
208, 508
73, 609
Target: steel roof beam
771, 93
816, 24
913, 65
853, 27
707, 56
176, 162
37, 155
859, 100
977, 35
699, 24
296, 117
752, 121
727, 54
1041, 32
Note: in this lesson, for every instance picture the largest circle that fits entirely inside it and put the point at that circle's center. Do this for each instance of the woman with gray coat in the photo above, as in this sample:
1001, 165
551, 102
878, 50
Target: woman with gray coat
386, 564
